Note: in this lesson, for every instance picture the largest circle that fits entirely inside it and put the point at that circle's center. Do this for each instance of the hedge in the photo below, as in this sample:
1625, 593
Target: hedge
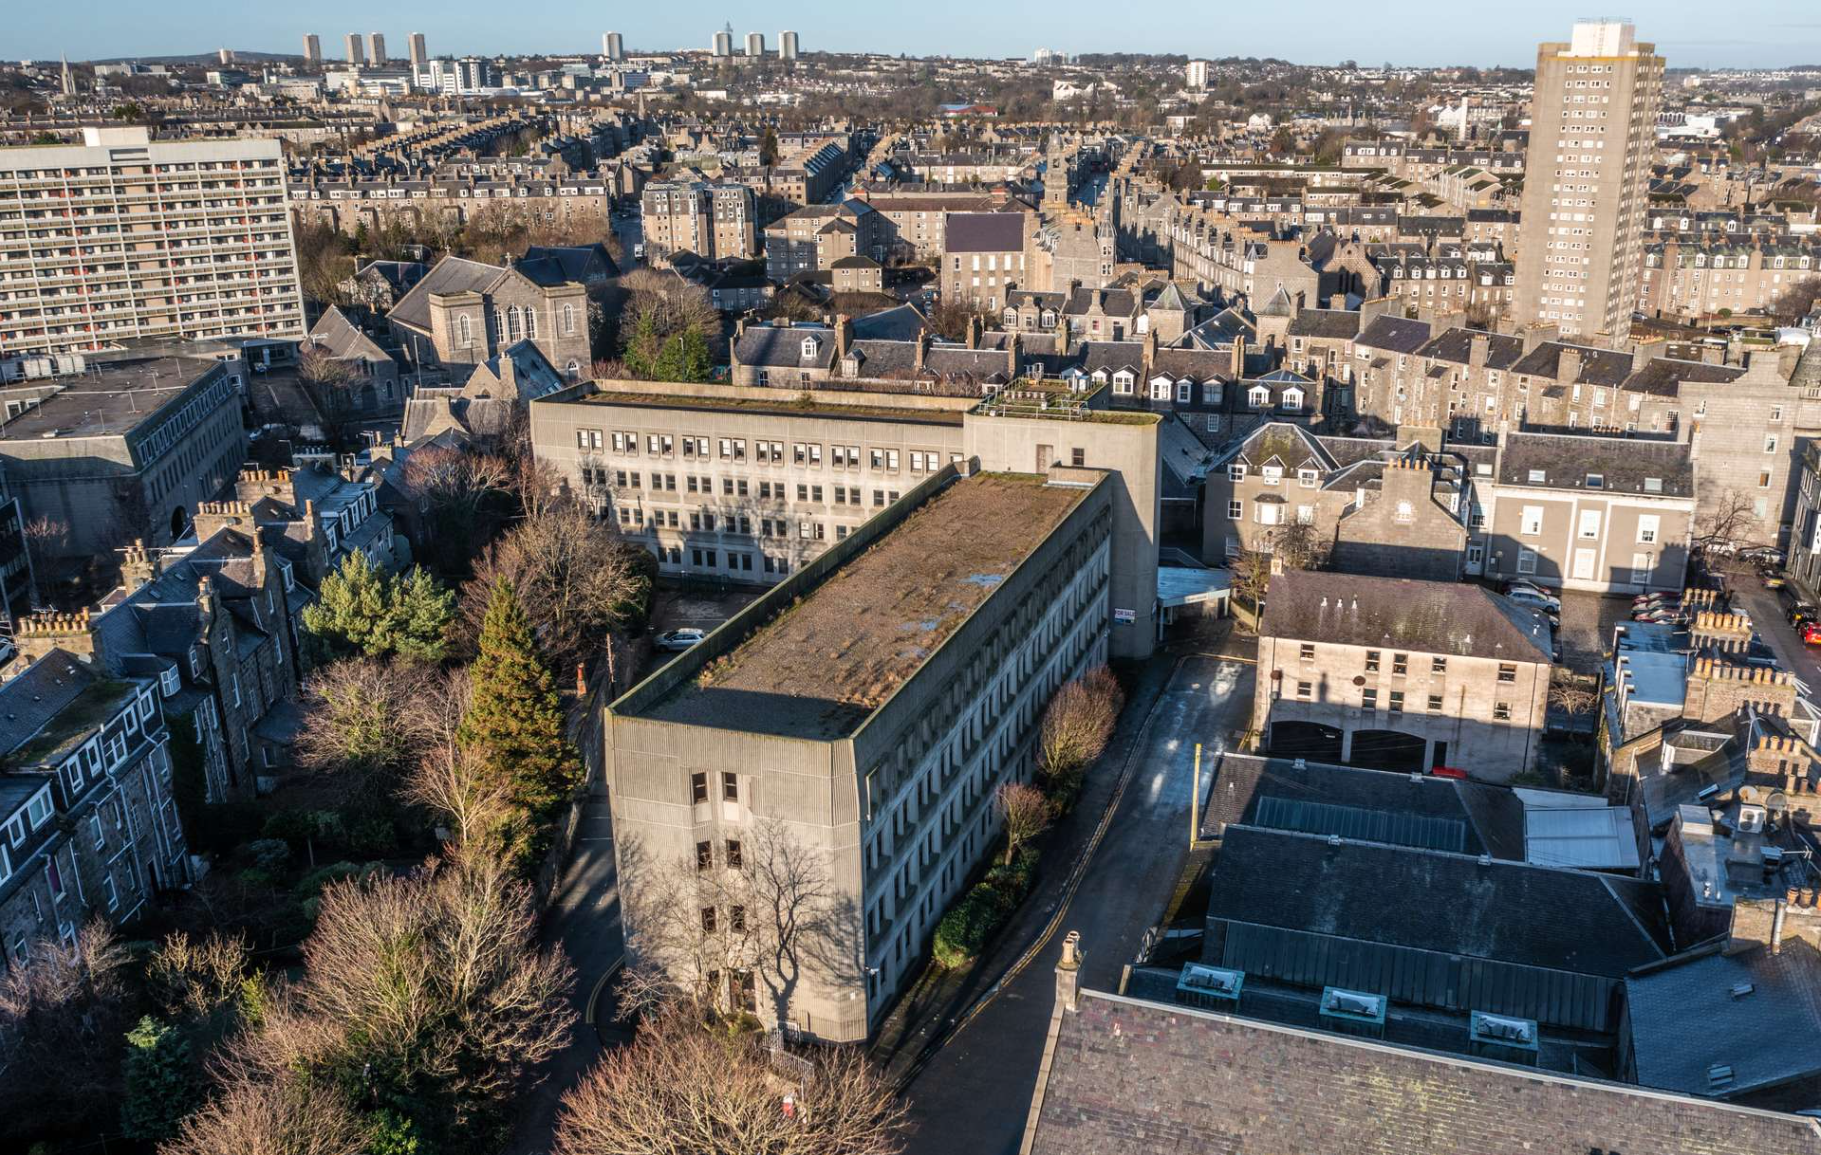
978, 914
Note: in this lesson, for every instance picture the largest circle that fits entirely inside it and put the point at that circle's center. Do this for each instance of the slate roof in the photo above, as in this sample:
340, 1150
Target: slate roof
1126, 1076
985, 233
1767, 1037
1598, 366
1398, 613
782, 348
564, 263
1662, 376
902, 323
1623, 463
449, 275
1395, 334
1510, 912
339, 337
1333, 324
1456, 346
30, 701
1194, 364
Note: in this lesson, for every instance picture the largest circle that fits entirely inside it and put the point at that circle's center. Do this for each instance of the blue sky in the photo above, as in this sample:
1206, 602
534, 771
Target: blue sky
1422, 32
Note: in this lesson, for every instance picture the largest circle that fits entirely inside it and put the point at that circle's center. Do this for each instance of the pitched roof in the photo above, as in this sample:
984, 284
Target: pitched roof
1398, 613
1623, 464
449, 275
1280, 304
985, 233
1509, 912
1334, 324
339, 337
29, 702
782, 348
1395, 334
1766, 1035
1124, 1076
1598, 366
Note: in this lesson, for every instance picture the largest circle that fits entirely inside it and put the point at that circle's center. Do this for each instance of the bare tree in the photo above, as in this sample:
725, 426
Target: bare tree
62, 1016
292, 1116
45, 536
1025, 811
577, 578
430, 986
681, 1088
364, 715
196, 977
331, 382
1298, 545
1572, 693
466, 496
1729, 522
1251, 575
672, 303
1797, 301
458, 787
1078, 723
760, 911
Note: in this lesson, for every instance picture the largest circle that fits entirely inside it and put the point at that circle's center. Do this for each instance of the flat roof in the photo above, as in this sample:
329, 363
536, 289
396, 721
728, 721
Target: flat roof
824, 664
110, 399
789, 405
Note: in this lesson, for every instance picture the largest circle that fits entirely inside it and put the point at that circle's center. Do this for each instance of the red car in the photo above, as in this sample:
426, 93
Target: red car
1448, 772
1810, 632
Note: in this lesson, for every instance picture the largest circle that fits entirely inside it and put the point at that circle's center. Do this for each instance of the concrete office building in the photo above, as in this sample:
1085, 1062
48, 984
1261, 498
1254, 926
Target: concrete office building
376, 48
755, 44
613, 47
312, 49
1592, 135
787, 46
752, 483
185, 239
420, 53
356, 51
723, 43
872, 760
124, 447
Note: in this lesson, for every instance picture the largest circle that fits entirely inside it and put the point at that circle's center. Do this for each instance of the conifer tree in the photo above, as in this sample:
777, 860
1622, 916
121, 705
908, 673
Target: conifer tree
515, 723
421, 612
350, 609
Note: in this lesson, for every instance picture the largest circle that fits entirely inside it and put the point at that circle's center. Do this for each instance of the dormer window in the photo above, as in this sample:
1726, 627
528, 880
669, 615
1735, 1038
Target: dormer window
1210, 393
1272, 474
1236, 472
1306, 478
1122, 382
169, 682
1260, 397
810, 347
1293, 398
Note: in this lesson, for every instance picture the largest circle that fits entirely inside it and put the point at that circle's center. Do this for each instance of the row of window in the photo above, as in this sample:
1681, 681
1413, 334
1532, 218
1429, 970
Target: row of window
1368, 700
735, 449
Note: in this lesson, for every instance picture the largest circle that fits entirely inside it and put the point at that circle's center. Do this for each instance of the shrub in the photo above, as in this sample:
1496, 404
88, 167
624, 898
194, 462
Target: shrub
967, 926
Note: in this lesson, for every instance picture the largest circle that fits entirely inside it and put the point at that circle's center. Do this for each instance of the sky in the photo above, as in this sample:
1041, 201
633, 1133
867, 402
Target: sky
1691, 33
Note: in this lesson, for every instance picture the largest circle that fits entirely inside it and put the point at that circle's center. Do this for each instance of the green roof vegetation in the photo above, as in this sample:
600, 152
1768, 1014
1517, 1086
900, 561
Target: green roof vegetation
91, 708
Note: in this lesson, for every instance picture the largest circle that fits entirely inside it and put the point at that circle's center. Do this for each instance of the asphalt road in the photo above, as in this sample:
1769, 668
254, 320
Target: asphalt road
973, 1094
1767, 618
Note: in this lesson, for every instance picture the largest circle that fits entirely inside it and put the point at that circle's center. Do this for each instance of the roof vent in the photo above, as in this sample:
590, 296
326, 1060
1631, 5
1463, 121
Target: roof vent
1740, 990
1719, 1075
1485, 860
1707, 792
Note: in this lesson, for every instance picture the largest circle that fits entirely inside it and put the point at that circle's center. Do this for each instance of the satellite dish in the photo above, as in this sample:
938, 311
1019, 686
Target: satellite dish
1777, 803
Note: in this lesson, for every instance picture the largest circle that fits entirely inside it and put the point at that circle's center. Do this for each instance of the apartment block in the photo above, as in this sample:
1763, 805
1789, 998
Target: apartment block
713, 221
984, 257
124, 237
874, 760
1586, 178
1401, 675
89, 819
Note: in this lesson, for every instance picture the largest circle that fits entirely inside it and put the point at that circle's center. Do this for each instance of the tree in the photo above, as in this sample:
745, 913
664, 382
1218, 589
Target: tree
1729, 521
1076, 727
62, 1017
514, 723
768, 147
1025, 812
330, 381
576, 577
424, 995
291, 1116
764, 905
1573, 694
467, 495
1298, 545
953, 314
160, 1082
1797, 301
361, 610
682, 1088
362, 716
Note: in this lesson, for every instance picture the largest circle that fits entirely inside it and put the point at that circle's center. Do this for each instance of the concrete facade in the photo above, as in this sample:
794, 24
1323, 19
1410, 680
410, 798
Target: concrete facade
185, 239
898, 805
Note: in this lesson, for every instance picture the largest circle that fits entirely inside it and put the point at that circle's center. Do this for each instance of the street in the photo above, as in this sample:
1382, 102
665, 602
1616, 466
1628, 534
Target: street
973, 1093
1767, 618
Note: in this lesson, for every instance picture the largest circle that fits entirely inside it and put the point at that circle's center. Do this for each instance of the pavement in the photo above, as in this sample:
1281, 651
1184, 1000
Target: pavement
971, 1092
583, 919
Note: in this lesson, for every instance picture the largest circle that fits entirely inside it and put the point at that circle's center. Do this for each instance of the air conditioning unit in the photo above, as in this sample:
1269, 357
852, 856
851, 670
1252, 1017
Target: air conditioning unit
1751, 819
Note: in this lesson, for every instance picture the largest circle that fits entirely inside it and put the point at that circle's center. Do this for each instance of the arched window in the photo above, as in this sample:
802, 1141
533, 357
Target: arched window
573, 370
515, 319
464, 329
531, 324
568, 318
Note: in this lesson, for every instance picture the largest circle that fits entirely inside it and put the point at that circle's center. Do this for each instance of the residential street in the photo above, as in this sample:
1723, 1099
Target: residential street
1767, 618
973, 1093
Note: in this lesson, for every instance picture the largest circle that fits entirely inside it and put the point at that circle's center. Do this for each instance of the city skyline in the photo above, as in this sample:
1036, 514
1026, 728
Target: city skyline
1761, 33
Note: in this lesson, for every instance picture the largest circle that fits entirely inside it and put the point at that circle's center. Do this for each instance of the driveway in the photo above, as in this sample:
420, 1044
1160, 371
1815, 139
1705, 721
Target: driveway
973, 1094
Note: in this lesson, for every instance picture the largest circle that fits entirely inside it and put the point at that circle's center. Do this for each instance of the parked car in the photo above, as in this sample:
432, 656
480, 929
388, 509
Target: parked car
1810, 633
1447, 772
1536, 601
1529, 587
1803, 612
677, 641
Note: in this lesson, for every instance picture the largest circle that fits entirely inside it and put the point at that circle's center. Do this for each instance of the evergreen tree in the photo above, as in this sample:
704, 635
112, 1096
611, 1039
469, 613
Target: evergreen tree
160, 1083
350, 609
685, 358
421, 611
515, 722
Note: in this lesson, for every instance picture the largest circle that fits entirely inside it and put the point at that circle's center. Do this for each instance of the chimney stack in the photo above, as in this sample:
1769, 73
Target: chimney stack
1068, 973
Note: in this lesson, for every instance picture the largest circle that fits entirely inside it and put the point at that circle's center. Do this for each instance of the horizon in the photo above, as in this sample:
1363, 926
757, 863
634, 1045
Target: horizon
1766, 34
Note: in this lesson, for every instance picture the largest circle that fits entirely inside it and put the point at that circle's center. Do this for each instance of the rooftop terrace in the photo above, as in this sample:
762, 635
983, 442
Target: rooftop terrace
826, 662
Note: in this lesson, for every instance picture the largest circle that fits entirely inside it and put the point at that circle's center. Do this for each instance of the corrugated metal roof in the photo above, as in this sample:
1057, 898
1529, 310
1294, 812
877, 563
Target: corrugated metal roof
1399, 828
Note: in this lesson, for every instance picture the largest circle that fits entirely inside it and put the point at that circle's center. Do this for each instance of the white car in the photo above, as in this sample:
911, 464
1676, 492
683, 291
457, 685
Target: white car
676, 641
1534, 596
